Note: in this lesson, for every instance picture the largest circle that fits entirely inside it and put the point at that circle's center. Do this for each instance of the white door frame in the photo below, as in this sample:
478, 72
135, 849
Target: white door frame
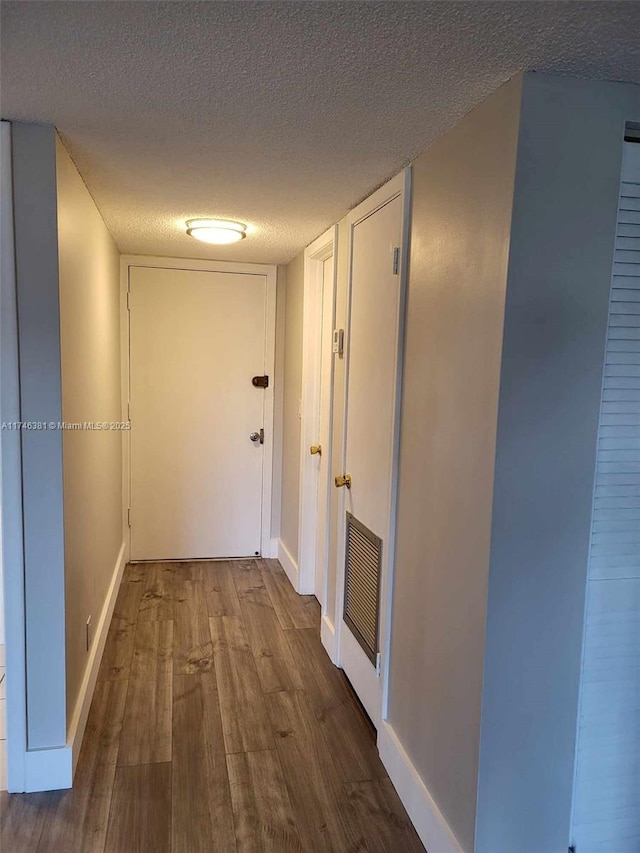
314, 487
270, 272
400, 186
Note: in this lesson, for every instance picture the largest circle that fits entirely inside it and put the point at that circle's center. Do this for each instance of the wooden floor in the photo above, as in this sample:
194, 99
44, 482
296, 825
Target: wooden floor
218, 724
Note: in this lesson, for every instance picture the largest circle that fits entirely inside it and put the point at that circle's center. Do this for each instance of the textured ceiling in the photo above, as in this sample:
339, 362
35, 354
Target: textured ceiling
280, 114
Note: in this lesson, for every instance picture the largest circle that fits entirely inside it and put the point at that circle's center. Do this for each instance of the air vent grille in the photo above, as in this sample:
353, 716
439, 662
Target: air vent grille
362, 585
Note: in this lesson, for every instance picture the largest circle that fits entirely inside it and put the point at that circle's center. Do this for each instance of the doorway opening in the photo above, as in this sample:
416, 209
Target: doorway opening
320, 276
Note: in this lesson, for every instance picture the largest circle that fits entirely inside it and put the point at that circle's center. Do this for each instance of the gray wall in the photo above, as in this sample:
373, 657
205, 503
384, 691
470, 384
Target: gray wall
36, 246
292, 392
563, 230
11, 481
67, 283
462, 196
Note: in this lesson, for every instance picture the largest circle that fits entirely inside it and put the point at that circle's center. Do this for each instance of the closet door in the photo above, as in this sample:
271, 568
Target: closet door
606, 808
373, 342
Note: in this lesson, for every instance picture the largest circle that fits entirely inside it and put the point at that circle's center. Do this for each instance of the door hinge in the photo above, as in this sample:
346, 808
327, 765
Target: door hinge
260, 381
396, 260
129, 411
378, 664
128, 300
129, 517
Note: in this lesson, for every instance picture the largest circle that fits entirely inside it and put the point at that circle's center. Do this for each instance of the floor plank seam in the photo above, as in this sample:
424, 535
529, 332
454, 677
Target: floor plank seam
268, 750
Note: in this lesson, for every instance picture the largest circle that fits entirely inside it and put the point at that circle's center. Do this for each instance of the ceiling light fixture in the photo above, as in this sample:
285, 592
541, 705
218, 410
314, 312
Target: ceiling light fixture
219, 231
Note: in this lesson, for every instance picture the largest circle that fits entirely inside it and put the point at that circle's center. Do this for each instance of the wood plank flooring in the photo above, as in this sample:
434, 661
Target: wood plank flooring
218, 724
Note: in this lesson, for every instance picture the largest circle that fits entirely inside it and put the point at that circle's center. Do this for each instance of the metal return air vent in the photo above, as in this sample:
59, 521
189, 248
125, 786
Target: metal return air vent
363, 560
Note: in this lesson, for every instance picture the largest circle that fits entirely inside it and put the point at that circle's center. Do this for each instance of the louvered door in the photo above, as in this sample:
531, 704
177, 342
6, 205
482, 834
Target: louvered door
606, 812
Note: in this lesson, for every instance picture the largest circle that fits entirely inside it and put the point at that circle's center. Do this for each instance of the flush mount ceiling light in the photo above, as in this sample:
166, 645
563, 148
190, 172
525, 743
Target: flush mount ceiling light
217, 231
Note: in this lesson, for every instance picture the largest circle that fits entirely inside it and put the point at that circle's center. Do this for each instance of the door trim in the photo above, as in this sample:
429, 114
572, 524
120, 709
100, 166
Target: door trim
312, 485
400, 186
270, 273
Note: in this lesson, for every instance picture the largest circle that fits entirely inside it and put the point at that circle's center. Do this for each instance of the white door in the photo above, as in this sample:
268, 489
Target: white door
197, 339
324, 427
373, 342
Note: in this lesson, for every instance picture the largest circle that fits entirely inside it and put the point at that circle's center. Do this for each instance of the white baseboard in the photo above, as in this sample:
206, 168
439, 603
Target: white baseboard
434, 831
48, 769
289, 565
83, 703
328, 638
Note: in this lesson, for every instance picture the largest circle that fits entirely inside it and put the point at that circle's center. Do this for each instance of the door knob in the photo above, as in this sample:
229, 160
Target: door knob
315, 450
343, 481
256, 436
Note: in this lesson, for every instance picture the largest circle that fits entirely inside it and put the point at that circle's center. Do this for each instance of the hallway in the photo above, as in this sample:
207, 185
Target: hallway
218, 723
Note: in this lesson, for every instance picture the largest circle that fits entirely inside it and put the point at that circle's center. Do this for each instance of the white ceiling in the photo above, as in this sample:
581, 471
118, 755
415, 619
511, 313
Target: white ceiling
280, 114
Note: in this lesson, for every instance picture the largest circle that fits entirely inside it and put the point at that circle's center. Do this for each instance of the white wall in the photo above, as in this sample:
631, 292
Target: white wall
512, 237
92, 459
461, 216
292, 393
462, 197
